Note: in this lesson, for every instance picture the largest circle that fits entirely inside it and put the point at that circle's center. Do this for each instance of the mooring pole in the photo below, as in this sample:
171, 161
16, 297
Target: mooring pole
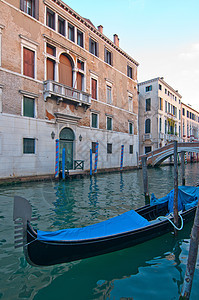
175, 202
191, 262
122, 157
96, 157
90, 162
183, 167
145, 180
57, 159
63, 163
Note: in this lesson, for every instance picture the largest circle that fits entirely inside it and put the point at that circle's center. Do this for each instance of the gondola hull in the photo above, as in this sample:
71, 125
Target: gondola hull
45, 253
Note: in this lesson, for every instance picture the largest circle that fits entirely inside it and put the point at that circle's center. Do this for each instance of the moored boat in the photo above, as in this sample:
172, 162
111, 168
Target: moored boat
43, 248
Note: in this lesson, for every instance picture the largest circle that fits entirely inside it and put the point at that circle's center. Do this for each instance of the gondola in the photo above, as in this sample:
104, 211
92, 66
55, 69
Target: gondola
131, 228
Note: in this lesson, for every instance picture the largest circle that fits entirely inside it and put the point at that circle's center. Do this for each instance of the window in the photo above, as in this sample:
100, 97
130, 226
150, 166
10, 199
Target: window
147, 149
109, 94
148, 126
51, 49
160, 87
94, 88
149, 88
107, 56
160, 125
165, 91
129, 72
61, 25
130, 128
94, 120
161, 103
109, 148
165, 126
28, 146
183, 111
169, 107
179, 114
71, 32
28, 62
80, 65
109, 123
130, 103
80, 38
50, 18
31, 7
179, 131
148, 104
130, 149
93, 47
187, 114
165, 106
28, 107
94, 147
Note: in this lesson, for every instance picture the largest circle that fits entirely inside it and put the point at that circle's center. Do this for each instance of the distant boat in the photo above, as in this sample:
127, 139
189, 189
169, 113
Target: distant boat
43, 248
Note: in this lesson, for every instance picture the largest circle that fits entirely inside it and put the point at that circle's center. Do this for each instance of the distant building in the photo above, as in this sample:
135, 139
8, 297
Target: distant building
190, 124
159, 114
62, 78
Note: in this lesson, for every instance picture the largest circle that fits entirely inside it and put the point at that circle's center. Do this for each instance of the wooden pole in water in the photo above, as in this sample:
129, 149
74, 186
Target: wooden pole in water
183, 167
145, 180
175, 202
191, 263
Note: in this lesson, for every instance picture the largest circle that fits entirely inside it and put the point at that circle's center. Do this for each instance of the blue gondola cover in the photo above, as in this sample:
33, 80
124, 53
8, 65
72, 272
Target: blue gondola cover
123, 223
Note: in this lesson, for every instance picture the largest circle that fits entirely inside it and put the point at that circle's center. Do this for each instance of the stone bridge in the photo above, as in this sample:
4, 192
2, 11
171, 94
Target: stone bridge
157, 156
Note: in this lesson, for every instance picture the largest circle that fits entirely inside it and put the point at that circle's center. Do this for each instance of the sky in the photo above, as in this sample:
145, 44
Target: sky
161, 35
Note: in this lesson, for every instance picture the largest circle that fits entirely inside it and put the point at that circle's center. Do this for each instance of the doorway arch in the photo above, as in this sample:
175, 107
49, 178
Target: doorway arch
66, 140
65, 70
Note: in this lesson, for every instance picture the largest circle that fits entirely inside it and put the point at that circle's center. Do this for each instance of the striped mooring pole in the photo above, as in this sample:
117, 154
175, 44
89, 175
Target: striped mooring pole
57, 159
63, 163
90, 162
96, 157
185, 155
122, 156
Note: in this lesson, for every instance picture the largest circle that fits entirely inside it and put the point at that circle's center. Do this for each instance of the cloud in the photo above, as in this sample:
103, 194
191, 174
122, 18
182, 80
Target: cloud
191, 53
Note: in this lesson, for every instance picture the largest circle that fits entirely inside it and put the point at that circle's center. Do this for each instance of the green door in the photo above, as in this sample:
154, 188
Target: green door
66, 141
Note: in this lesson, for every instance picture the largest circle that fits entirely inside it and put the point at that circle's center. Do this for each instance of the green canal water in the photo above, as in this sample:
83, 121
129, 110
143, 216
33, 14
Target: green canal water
153, 270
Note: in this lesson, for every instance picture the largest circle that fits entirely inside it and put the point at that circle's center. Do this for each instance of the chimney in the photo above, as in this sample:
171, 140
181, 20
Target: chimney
100, 28
116, 40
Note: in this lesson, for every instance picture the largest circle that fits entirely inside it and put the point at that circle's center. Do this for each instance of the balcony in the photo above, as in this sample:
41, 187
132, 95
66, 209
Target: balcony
161, 135
61, 92
172, 137
147, 136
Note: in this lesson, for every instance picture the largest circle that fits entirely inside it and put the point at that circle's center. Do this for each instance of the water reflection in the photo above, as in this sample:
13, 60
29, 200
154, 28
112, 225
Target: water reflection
82, 202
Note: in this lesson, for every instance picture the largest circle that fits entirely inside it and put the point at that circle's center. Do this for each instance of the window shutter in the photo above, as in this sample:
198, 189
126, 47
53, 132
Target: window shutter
94, 88
50, 69
36, 9
89, 44
22, 5
111, 58
28, 62
105, 55
97, 49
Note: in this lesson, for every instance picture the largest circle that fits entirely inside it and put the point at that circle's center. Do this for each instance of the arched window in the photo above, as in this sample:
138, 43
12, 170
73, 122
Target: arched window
65, 70
148, 126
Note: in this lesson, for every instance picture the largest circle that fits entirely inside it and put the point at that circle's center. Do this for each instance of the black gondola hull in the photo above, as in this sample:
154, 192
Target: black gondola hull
44, 253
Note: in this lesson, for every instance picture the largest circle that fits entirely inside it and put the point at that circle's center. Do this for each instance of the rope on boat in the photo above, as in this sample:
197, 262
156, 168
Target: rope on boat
171, 215
30, 242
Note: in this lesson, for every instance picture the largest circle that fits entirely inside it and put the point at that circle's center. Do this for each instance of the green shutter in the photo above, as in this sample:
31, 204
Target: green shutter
29, 107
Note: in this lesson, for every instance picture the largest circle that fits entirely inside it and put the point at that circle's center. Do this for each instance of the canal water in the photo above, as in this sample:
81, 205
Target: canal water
153, 270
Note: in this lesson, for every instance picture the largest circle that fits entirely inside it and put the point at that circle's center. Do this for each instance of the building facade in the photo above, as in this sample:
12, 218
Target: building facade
190, 124
62, 78
159, 114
